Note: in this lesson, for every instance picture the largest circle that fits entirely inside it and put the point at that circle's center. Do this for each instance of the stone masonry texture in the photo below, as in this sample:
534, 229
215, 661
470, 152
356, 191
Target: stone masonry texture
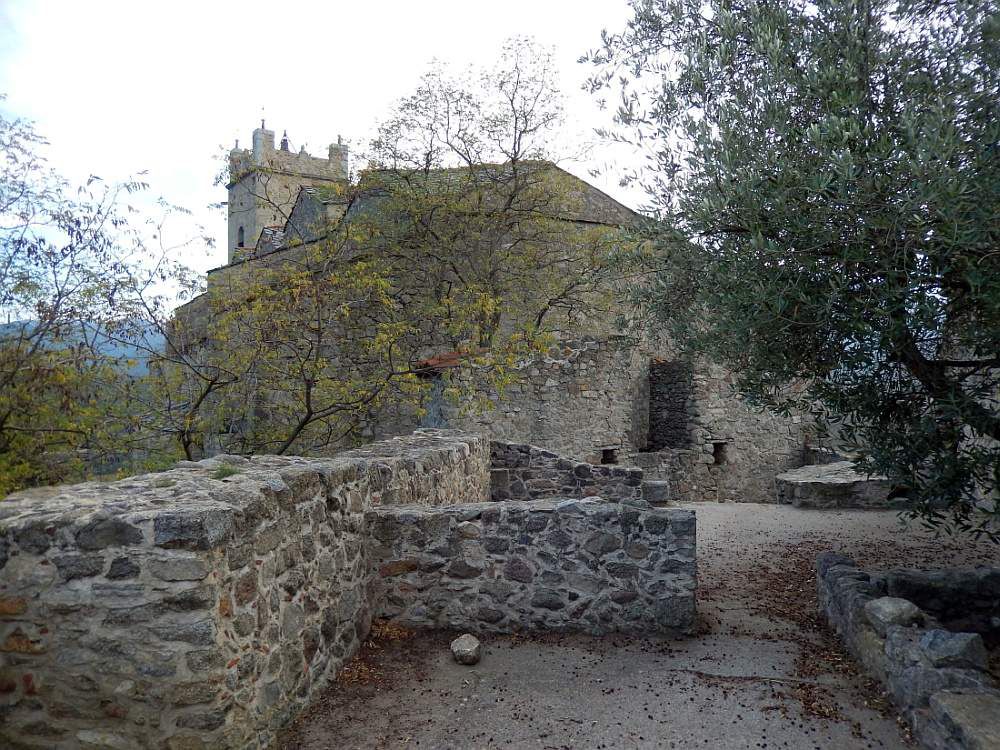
579, 564
204, 606
181, 610
526, 472
599, 392
669, 393
937, 677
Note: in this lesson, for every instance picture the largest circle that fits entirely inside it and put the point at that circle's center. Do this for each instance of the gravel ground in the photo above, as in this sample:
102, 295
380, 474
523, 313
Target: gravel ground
761, 672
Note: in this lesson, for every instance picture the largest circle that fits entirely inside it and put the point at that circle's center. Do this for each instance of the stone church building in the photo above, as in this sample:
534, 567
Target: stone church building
599, 396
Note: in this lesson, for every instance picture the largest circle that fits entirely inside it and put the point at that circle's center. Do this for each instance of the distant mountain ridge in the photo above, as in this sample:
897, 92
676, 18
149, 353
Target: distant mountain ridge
122, 352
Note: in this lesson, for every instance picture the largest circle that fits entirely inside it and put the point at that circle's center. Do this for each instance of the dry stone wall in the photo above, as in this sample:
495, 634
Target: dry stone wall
669, 404
835, 485
578, 564
199, 607
937, 677
526, 472
203, 606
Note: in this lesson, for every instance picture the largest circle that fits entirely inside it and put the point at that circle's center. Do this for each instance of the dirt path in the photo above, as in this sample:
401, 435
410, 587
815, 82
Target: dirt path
762, 672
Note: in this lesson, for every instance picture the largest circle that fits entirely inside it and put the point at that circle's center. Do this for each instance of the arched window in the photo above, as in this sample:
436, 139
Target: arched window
239, 237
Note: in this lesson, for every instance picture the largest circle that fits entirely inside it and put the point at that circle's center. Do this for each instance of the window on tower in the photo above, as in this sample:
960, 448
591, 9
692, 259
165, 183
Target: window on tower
239, 237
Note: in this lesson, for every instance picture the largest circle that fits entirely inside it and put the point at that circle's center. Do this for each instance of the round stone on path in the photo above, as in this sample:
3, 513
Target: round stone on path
466, 649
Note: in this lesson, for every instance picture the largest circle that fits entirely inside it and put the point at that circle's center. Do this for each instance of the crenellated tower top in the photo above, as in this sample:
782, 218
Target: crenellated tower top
265, 181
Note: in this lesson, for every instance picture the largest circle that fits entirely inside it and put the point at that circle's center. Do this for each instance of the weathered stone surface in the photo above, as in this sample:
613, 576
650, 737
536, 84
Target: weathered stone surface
835, 485
72, 566
198, 612
943, 648
970, 719
526, 472
107, 532
571, 576
195, 529
466, 649
12, 605
123, 567
178, 568
888, 610
966, 598
656, 491
921, 665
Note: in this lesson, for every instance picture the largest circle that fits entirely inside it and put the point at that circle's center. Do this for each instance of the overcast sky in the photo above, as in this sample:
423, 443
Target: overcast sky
120, 86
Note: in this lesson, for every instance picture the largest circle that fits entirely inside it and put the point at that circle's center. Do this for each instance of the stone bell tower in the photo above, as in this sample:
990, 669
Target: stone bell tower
264, 183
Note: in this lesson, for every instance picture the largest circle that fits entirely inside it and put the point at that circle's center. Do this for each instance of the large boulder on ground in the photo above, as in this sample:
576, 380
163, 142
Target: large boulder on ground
836, 485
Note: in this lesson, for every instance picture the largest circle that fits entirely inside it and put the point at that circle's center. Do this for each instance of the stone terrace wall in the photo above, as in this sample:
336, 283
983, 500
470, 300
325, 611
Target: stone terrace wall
524, 472
581, 565
937, 678
201, 606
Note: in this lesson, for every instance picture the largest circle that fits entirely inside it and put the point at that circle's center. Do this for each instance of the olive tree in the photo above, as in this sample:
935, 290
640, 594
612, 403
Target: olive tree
826, 175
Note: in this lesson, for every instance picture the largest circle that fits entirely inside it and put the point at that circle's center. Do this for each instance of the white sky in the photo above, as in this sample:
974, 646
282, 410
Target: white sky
120, 86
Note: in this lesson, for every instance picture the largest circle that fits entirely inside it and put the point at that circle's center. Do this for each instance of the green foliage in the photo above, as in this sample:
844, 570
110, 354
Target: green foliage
457, 246
58, 264
226, 470
828, 183
77, 281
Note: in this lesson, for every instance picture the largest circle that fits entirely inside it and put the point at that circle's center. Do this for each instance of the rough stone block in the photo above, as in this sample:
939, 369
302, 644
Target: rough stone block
943, 648
971, 719
925, 669
887, 610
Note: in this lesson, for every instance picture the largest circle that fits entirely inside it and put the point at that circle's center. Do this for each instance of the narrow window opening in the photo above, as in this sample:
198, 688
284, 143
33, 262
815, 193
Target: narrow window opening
718, 453
239, 237
609, 456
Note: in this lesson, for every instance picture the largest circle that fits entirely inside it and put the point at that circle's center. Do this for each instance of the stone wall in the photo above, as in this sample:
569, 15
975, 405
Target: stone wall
936, 677
580, 565
835, 485
525, 472
592, 394
582, 396
200, 607
966, 599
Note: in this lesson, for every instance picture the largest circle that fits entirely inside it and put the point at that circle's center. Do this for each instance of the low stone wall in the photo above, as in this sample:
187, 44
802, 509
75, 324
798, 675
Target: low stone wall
938, 678
525, 472
835, 485
961, 598
202, 606
580, 565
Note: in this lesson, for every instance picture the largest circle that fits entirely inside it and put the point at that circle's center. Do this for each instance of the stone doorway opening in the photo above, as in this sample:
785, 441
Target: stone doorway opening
670, 390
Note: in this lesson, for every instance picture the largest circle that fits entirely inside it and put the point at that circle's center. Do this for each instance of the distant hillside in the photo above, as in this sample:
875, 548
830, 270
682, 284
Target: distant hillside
123, 353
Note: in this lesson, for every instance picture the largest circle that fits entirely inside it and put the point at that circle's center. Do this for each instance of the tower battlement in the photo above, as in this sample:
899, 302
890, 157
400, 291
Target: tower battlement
265, 180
